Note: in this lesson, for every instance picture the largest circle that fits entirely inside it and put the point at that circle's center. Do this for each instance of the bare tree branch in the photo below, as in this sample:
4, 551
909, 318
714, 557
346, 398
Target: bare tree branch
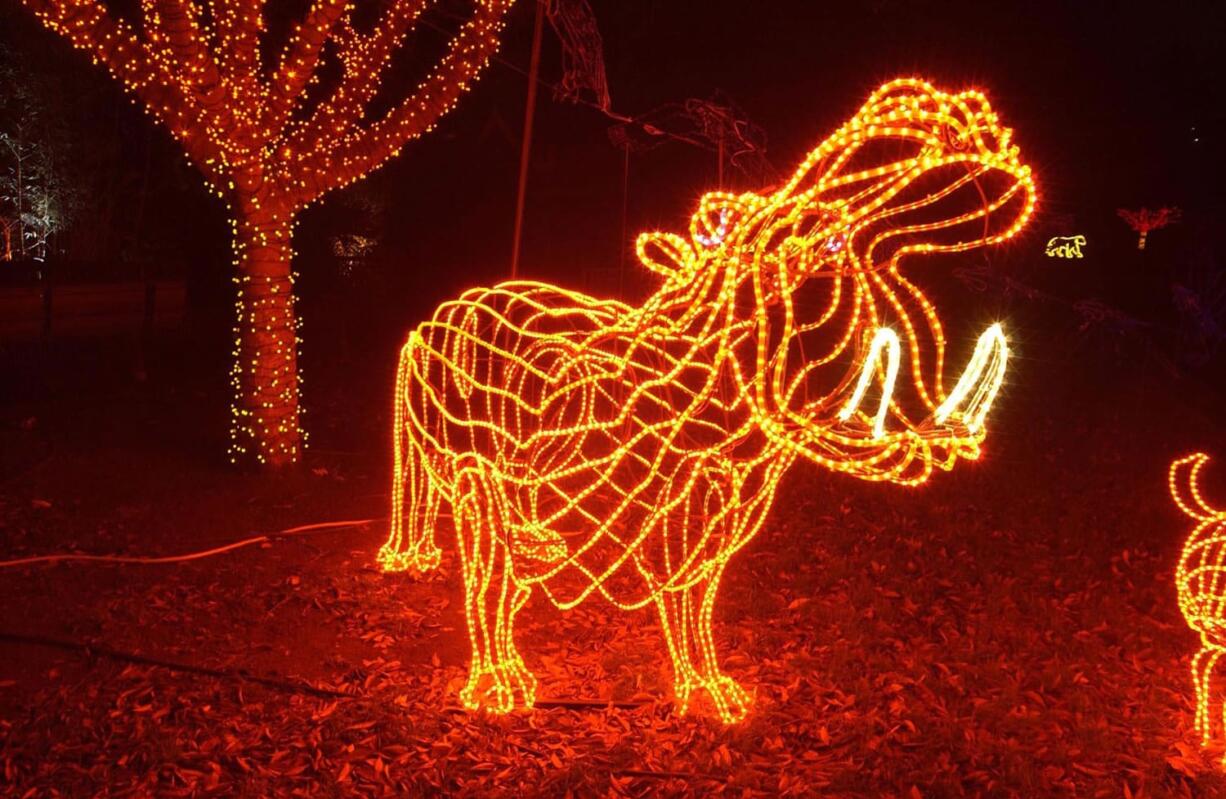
178, 21
363, 58
301, 58
365, 149
113, 43
235, 46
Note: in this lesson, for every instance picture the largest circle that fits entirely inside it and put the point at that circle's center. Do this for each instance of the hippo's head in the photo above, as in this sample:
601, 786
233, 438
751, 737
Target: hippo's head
848, 355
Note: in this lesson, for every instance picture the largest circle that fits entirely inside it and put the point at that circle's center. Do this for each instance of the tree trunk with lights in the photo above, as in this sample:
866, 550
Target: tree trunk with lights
265, 371
271, 142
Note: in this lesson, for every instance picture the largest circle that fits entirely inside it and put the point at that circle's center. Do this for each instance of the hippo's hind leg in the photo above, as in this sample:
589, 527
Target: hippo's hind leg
685, 617
1203, 666
497, 673
415, 498
415, 509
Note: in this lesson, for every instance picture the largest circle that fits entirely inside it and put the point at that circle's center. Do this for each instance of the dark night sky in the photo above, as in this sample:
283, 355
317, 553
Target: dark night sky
1103, 98
1107, 101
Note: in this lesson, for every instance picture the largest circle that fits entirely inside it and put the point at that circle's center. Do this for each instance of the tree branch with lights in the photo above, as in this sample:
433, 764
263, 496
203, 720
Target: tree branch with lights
198, 72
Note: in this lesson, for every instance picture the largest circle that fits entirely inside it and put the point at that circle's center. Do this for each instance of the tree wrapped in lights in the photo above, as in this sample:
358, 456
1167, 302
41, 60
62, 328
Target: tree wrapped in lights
589, 447
37, 198
1143, 220
270, 140
1200, 580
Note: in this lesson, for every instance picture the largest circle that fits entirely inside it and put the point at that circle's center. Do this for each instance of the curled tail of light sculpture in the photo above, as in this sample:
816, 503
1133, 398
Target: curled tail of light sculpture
1200, 580
1184, 481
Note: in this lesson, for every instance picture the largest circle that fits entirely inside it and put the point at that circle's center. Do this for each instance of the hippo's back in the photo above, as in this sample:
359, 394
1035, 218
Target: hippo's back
480, 368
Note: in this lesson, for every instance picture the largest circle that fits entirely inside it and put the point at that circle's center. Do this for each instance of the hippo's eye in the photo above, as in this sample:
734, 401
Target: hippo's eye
717, 232
956, 139
990, 140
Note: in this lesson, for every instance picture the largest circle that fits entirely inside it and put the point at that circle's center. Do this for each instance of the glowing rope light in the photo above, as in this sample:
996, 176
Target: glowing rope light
1200, 580
587, 446
718, 236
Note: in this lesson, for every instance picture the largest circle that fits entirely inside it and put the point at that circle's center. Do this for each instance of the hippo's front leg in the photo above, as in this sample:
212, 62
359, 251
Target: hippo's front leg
497, 676
685, 617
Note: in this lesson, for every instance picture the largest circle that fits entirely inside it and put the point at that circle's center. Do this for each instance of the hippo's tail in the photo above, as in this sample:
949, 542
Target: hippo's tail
1184, 479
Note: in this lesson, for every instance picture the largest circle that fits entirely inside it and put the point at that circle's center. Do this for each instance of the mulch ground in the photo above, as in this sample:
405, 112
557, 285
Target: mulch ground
1007, 630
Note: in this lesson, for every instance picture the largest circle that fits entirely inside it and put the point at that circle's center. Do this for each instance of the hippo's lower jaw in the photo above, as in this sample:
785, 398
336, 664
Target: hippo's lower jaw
958, 420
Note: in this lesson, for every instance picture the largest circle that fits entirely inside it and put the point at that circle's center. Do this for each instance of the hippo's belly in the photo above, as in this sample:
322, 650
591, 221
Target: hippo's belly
601, 442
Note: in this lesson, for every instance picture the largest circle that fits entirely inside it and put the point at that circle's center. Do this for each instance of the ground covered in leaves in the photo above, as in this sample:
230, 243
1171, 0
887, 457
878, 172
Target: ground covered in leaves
1007, 630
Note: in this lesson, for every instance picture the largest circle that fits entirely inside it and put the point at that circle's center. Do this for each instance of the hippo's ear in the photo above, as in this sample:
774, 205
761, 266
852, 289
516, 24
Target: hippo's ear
666, 253
718, 213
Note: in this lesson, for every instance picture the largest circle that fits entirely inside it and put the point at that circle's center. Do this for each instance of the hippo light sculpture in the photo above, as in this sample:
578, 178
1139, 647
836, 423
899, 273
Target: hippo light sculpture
586, 446
1200, 580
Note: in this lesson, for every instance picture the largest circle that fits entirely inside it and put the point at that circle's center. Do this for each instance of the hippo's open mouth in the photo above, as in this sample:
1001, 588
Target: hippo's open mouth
956, 422
948, 208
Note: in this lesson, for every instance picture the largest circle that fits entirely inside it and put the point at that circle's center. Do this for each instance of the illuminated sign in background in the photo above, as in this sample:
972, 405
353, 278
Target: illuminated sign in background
1065, 246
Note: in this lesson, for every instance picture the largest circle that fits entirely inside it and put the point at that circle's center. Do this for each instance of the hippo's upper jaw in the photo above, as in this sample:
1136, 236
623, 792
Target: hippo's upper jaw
851, 353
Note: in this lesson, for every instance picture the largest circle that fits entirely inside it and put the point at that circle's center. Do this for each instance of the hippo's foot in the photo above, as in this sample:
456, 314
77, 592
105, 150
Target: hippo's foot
497, 687
419, 561
730, 699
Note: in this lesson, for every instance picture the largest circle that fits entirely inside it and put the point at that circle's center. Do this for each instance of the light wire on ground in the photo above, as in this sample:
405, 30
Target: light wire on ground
246, 542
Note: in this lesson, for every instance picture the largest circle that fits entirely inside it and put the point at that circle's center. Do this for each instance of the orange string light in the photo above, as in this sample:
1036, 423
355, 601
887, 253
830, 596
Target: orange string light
1200, 581
587, 446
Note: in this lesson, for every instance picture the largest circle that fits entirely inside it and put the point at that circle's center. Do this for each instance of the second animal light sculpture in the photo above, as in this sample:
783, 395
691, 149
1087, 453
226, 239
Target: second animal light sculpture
1200, 580
586, 446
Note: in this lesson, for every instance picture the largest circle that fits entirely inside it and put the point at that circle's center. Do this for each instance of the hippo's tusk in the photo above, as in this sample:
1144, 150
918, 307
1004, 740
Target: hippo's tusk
980, 381
883, 338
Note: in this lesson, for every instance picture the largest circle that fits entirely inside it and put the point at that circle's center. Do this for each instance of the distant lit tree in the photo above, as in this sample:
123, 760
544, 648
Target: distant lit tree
36, 198
271, 139
1143, 220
